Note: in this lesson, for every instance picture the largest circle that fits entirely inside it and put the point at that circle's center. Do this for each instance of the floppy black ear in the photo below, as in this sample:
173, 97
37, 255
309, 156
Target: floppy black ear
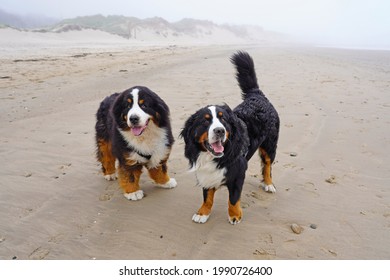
118, 110
162, 113
188, 133
238, 142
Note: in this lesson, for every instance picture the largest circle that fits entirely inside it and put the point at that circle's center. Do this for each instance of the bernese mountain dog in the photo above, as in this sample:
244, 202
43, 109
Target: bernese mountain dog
219, 142
133, 128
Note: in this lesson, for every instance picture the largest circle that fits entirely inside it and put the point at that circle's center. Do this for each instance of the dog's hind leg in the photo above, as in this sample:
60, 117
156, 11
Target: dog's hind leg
106, 158
267, 174
204, 211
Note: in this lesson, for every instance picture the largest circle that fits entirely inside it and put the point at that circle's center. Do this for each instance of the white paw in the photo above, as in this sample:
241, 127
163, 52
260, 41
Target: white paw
201, 219
234, 221
169, 185
137, 195
269, 188
110, 177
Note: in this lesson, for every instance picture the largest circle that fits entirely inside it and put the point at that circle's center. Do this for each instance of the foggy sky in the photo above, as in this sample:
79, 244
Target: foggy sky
360, 23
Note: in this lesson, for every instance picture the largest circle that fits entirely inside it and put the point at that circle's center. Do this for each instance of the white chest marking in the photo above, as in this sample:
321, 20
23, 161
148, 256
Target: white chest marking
207, 173
152, 142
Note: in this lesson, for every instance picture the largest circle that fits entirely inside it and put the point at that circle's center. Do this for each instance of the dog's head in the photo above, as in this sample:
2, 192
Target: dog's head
136, 107
215, 130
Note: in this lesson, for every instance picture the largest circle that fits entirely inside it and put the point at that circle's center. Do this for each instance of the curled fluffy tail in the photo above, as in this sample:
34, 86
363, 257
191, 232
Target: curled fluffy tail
246, 74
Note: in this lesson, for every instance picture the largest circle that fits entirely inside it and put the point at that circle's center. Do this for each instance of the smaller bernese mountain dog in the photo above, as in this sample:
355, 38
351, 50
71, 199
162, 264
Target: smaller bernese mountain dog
219, 142
133, 127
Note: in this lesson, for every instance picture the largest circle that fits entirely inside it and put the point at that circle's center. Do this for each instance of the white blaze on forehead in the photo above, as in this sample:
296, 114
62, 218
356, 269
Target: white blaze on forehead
136, 110
214, 124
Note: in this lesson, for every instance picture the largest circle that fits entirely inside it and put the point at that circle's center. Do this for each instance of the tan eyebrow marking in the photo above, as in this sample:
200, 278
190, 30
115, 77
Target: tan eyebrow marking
129, 100
220, 114
207, 116
141, 102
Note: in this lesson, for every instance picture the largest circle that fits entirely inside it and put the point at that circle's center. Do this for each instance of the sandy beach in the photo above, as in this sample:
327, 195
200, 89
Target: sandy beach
332, 170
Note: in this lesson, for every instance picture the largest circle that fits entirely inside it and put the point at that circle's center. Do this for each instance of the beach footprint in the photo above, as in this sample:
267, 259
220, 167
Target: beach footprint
264, 248
39, 253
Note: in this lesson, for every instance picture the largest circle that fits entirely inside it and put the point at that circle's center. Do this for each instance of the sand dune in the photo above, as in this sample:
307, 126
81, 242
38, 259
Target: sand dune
331, 172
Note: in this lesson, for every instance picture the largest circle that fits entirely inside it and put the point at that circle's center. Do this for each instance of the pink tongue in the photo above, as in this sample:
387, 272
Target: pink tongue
217, 147
137, 130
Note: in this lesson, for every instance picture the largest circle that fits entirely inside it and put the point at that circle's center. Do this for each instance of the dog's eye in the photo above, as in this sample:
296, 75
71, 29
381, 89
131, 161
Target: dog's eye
129, 102
142, 104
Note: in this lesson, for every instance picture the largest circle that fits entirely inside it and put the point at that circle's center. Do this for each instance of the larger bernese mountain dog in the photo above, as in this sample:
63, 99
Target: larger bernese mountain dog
133, 127
219, 142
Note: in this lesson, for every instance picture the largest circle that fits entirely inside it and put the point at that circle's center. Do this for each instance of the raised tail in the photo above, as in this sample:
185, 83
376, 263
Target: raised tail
246, 74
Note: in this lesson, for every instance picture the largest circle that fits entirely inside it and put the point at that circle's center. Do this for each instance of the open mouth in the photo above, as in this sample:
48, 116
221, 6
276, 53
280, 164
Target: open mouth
138, 130
216, 148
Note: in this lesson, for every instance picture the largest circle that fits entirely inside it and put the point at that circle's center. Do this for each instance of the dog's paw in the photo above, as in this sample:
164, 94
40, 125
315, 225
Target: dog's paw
169, 185
234, 220
200, 219
137, 195
110, 177
269, 188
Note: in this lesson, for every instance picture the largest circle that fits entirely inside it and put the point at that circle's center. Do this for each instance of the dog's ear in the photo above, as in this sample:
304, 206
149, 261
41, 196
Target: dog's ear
188, 133
238, 138
119, 111
161, 114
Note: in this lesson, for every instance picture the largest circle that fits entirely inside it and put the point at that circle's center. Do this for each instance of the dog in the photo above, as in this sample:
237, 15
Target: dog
220, 141
134, 129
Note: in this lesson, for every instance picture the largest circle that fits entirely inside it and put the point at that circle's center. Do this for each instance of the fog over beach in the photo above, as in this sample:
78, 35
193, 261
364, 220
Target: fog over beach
337, 23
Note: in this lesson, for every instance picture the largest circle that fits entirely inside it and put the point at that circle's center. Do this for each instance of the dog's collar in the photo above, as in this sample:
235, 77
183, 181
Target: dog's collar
146, 156
143, 155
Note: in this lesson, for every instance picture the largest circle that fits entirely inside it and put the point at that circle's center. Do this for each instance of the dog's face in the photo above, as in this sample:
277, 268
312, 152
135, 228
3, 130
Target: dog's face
209, 130
135, 108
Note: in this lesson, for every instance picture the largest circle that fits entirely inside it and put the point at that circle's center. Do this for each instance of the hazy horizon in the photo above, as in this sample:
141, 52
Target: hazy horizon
333, 22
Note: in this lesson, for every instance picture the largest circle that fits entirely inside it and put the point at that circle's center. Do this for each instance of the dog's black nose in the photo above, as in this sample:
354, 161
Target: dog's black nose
219, 131
134, 119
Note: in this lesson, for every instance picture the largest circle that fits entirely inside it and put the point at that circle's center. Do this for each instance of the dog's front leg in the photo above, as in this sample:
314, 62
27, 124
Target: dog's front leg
128, 176
204, 211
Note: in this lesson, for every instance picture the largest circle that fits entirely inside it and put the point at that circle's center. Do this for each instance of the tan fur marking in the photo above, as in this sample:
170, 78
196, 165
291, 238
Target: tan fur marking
205, 209
141, 102
129, 100
235, 211
266, 167
220, 114
129, 178
204, 137
106, 157
159, 174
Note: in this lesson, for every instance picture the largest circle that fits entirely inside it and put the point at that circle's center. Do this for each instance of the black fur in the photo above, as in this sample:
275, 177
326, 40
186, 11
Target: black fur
236, 147
196, 125
256, 111
110, 117
252, 125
